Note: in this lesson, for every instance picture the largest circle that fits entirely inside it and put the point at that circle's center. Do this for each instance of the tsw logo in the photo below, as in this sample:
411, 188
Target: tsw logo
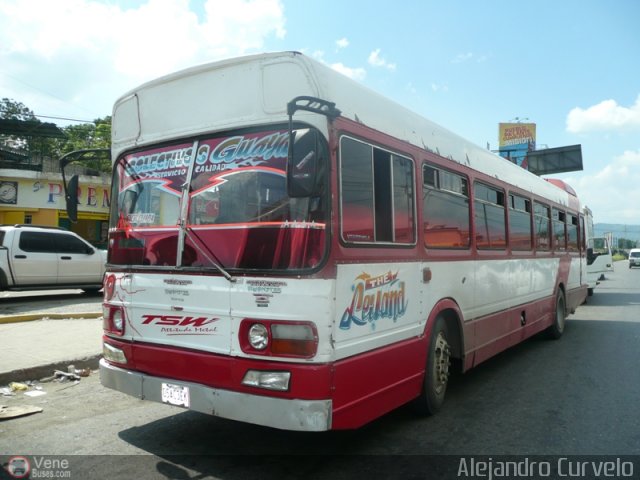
177, 320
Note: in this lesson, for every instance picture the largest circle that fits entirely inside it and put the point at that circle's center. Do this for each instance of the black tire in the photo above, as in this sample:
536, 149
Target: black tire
556, 329
92, 291
436, 375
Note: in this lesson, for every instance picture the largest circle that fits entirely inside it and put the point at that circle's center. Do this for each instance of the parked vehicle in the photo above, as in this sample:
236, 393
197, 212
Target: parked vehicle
39, 258
634, 257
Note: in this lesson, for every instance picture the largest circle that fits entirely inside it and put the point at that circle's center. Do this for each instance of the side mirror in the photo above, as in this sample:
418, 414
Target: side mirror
302, 165
71, 189
71, 197
303, 160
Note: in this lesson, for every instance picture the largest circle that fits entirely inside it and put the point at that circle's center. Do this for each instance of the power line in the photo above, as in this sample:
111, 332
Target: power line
64, 118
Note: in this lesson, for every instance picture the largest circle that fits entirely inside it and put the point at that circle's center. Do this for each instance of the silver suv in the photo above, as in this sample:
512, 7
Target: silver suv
35, 258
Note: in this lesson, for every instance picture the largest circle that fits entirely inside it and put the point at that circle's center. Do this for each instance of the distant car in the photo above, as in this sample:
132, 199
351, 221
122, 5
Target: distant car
38, 258
634, 257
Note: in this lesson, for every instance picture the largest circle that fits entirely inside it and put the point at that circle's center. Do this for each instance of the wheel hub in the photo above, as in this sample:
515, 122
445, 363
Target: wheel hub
441, 362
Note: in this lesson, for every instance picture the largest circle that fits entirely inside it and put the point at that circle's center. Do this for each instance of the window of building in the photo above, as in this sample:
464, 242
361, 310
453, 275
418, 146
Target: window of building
490, 231
377, 200
445, 200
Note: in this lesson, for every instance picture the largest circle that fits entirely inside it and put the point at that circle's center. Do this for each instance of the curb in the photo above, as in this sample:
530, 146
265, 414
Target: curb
42, 371
51, 316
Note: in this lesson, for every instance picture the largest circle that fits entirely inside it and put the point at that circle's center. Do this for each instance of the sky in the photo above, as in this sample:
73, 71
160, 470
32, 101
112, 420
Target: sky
572, 67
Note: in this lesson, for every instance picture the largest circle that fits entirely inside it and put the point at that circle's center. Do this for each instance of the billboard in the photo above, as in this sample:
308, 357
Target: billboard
516, 140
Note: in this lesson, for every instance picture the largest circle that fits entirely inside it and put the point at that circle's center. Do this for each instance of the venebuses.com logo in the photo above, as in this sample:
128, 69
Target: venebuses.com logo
38, 467
19, 467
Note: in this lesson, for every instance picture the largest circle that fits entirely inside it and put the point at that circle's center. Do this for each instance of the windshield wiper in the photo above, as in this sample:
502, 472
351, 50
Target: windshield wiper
215, 261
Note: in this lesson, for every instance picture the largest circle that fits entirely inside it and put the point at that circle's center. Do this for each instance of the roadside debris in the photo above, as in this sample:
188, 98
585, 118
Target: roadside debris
7, 413
72, 373
35, 393
7, 392
33, 388
18, 387
65, 376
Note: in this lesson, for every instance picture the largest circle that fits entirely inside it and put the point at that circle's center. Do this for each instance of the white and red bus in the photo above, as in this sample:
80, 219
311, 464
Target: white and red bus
599, 257
291, 249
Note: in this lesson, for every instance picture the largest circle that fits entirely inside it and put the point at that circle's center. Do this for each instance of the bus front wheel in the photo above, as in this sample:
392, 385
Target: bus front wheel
436, 376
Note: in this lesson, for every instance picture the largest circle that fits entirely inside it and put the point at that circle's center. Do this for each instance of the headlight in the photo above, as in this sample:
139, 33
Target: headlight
281, 338
258, 336
118, 320
269, 380
113, 354
113, 319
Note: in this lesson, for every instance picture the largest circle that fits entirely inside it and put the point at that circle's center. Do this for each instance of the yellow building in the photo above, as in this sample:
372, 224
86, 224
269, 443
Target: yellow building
38, 198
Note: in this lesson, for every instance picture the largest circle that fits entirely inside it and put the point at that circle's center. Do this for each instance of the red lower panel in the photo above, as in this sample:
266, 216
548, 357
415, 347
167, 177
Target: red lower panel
369, 385
308, 381
362, 388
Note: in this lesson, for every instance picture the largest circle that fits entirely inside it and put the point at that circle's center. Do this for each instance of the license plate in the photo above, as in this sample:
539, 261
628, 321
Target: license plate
175, 395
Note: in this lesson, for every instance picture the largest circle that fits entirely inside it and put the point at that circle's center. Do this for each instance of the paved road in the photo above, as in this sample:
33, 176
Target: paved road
576, 396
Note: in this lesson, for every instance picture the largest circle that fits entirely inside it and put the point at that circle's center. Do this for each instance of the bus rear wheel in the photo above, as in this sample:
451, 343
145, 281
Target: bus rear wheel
436, 376
556, 329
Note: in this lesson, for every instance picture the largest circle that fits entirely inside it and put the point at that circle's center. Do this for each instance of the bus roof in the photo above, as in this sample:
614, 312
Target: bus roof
255, 90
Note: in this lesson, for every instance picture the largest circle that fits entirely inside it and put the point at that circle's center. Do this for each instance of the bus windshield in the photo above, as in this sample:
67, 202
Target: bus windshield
216, 200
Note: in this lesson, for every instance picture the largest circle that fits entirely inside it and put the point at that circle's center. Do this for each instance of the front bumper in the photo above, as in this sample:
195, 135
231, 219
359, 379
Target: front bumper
286, 414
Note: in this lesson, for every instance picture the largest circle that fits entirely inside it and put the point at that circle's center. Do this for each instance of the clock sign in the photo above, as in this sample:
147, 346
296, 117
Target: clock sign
8, 192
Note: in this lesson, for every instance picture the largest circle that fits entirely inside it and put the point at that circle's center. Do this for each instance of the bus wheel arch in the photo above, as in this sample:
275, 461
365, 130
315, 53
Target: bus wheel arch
444, 343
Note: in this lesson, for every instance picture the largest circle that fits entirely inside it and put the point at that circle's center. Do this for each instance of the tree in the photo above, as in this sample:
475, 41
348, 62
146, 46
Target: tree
87, 135
626, 244
12, 110
96, 134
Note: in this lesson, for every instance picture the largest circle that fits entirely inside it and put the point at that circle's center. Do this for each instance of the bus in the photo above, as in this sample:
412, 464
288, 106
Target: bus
599, 256
291, 249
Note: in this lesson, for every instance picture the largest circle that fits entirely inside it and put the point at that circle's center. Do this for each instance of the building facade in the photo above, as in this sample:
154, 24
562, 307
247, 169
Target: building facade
34, 197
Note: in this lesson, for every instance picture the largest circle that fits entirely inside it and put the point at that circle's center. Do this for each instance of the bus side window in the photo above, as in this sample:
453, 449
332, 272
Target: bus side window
559, 232
542, 223
490, 228
519, 223
356, 176
572, 234
445, 201
377, 194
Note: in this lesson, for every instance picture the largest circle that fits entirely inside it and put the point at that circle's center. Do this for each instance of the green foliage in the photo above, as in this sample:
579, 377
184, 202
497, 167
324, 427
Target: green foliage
86, 135
626, 244
77, 137
12, 110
